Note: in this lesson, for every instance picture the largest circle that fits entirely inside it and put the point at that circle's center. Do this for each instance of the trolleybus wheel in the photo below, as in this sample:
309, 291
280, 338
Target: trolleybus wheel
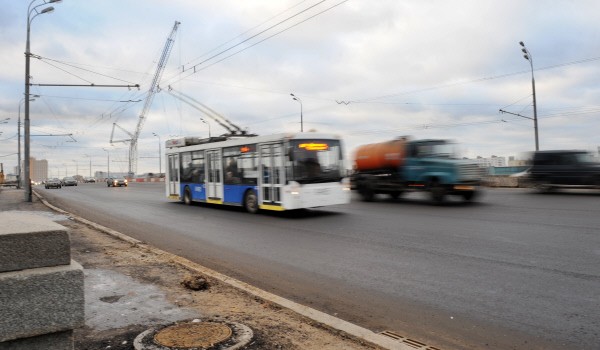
187, 196
251, 202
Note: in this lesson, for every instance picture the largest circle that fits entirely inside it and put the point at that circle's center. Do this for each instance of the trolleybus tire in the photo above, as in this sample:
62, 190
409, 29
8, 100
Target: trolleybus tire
187, 196
251, 202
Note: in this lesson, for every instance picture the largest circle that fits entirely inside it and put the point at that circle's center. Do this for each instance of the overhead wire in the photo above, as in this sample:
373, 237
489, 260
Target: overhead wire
367, 100
245, 32
256, 43
193, 67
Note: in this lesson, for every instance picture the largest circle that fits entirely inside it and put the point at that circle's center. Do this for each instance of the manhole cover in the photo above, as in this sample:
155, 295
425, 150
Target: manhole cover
210, 334
193, 335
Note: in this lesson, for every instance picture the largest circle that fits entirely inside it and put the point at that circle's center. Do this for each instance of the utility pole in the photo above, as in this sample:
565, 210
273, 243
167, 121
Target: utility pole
527, 56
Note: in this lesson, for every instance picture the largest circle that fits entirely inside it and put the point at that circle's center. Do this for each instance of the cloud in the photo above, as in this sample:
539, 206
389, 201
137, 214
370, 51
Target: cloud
410, 68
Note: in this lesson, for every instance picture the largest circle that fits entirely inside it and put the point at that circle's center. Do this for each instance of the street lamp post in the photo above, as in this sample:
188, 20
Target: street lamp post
30, 18
159, 154
527, 56
207, 123
33, 97
108, 163
88, 156
76, 168
301, 118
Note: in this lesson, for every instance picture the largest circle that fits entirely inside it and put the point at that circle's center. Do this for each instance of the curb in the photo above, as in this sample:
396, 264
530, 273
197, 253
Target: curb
332, 322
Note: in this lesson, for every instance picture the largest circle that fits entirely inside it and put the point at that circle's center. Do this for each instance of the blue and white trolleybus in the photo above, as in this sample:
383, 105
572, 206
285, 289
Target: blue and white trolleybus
275, 172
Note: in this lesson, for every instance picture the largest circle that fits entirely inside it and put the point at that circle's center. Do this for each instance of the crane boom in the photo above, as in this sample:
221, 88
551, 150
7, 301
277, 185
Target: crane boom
149, 98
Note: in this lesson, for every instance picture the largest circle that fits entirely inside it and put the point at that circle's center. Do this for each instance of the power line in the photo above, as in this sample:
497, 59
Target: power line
256, 43
239, 35
369, 100
250, 38
44, 59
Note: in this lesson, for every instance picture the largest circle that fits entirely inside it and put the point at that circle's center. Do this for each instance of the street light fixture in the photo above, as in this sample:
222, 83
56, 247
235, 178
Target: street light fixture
159, 154
207, 123
301, 119
528, 57
30, 18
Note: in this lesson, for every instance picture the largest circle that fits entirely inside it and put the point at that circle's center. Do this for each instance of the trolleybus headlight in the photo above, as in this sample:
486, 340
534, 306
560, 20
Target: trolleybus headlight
294, 188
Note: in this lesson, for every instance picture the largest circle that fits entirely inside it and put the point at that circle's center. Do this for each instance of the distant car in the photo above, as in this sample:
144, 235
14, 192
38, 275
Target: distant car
562, 168
116, 181
53, 183
89, 180
69, 181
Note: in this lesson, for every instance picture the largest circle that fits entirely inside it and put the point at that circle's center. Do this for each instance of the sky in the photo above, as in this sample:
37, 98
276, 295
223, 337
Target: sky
369, 71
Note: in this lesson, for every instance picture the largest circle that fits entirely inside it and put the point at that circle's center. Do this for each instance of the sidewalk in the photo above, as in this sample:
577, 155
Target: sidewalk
130, 288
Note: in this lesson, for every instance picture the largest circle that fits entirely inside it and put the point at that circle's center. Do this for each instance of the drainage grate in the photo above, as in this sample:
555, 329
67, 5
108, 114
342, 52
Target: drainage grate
407, 341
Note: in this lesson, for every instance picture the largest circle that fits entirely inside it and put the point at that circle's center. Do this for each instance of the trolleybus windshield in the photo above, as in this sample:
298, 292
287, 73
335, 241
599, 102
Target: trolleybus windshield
315, 161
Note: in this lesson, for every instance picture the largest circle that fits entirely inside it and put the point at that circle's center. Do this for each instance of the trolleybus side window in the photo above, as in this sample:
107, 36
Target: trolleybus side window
186, 166
198, 167
240, 164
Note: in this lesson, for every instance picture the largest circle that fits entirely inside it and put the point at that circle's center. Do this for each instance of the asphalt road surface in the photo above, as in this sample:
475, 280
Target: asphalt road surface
517, 270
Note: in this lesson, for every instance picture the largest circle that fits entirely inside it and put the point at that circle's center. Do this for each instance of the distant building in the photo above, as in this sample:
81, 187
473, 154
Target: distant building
516, 162
38, 169
494, 161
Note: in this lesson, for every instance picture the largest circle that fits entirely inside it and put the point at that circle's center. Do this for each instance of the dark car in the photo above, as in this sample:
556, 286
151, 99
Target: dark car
562, 168
69, 181
116, 181
53, 183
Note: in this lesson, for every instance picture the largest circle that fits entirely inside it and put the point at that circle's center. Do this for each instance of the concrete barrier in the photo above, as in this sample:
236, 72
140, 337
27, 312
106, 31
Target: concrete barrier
41, 288
505, 181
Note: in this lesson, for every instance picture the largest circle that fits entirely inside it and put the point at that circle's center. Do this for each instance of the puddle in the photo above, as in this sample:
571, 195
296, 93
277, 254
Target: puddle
114, 300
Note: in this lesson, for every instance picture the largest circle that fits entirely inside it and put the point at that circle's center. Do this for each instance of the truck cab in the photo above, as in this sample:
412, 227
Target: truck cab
415, 165
435, 165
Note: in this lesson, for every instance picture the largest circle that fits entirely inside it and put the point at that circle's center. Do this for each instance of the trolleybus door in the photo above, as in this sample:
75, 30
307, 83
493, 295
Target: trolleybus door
173, 176
214, 183
272, 174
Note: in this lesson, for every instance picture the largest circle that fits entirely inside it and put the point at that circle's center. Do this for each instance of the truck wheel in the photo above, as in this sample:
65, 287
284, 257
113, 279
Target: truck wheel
468, 196
395, 195
438, 192
251, 202
543, 186
366, 192
187, 196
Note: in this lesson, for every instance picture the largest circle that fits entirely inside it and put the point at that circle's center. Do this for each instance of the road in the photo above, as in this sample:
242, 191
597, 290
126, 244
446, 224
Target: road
517, 270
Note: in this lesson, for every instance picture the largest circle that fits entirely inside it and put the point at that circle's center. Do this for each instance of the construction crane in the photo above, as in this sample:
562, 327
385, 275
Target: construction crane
133, 140
233, 130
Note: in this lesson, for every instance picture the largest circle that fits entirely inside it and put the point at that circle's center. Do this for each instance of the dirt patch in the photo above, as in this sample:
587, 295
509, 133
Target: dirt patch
274, 327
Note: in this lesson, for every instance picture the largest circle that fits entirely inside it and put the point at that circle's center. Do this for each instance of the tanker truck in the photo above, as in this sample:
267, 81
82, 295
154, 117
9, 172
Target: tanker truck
400, 165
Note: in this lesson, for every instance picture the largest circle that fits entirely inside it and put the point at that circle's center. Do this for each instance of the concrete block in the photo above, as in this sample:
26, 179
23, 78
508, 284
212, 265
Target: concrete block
29, 241
53, 341
40, 301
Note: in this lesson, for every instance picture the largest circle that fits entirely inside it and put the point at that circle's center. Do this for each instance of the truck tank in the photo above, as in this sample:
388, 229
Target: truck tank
378, 156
